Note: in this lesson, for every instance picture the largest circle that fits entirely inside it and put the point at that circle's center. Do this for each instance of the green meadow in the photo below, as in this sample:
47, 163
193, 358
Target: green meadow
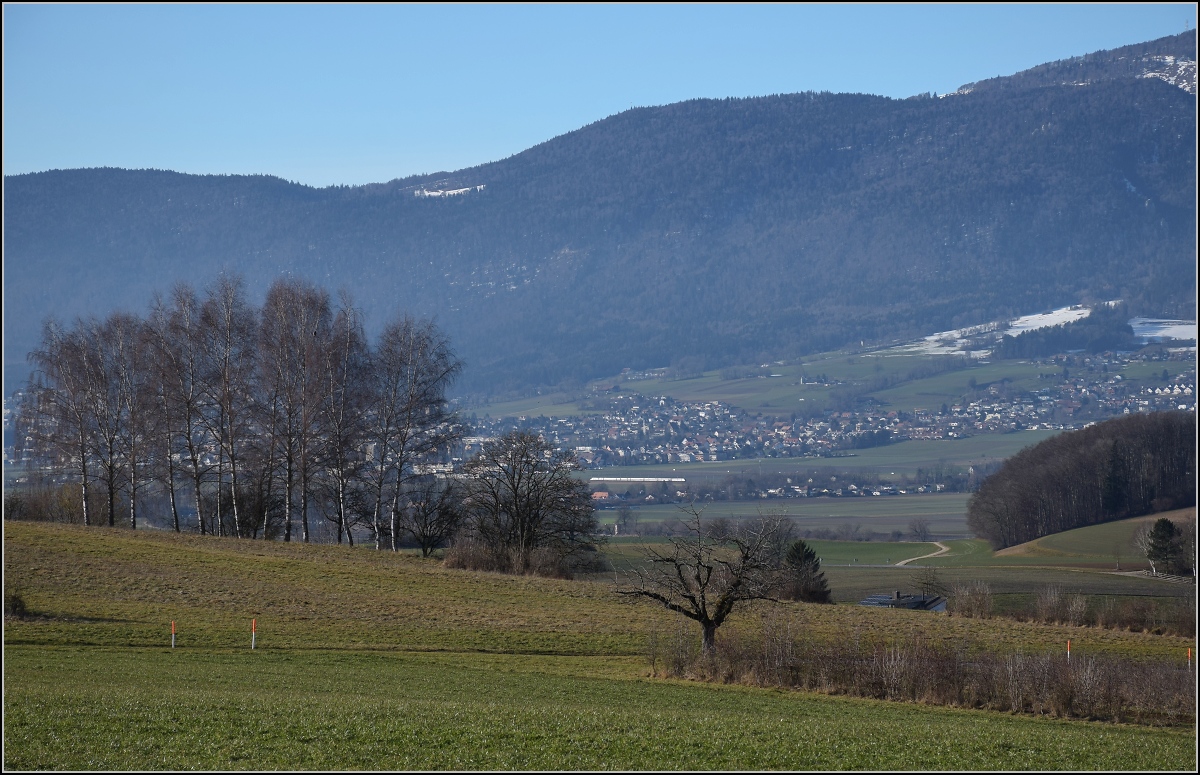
374, 660
946, 512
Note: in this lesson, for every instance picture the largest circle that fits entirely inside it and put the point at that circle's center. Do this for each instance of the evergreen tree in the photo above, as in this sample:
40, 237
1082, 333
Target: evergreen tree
804, 579
1165, 544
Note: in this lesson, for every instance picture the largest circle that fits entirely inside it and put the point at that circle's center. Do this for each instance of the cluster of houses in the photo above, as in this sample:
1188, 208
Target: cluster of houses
637, 429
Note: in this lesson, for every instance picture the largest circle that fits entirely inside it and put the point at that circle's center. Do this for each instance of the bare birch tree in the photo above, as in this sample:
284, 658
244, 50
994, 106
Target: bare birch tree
228, 330
413, 367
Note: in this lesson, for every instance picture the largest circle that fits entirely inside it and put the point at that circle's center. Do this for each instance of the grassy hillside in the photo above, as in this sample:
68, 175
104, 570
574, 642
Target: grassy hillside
372, 660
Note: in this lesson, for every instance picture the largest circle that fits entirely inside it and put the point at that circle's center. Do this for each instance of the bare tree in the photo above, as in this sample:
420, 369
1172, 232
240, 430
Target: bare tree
228, 331
412, 368
929, 581
626, 518
704, 576
61, 404
177, 352
919, 528
521, 497
432, 513
128, 343
102, 341
1141, 539
343, 405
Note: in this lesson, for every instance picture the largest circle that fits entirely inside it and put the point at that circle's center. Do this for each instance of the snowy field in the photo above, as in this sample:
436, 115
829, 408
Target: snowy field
960, 341
1151, 329
1047, 319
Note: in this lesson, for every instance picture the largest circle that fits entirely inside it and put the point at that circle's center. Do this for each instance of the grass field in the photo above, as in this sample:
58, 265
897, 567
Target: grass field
372, 660
946, 512
153, 709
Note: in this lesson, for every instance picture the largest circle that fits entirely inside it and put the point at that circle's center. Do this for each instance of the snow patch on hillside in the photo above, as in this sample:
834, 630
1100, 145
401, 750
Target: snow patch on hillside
1047, 319
976, 341
1156, 330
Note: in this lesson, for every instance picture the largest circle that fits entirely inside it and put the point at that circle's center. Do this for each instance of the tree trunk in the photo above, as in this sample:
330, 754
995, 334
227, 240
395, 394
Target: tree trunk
83, 468
237, 523
196, 484
171, 486
133, 494
709, 636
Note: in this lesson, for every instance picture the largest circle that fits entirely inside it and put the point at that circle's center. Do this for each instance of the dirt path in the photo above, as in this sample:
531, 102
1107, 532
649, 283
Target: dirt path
942, 549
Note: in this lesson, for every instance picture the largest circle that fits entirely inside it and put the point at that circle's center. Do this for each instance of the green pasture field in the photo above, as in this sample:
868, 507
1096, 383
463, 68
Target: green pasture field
950, 387
154, 709
626, 552
1010, 585
372, 660
1150, 372
1097, 547
1077, 561
549, 405
946, 512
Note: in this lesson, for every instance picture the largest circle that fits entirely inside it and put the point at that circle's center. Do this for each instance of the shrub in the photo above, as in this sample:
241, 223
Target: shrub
781, 652
14, 605
971, 600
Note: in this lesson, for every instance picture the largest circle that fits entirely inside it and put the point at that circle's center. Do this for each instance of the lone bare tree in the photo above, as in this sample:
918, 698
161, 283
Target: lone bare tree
919, 528
432, 513
521, 497
705, 574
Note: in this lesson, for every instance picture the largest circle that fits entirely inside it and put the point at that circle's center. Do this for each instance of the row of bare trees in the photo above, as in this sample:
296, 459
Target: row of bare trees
1126, 467
255, 420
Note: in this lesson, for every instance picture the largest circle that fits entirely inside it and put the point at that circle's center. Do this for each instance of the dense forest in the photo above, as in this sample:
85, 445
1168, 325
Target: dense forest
1127, 467
1107, 328
726, 231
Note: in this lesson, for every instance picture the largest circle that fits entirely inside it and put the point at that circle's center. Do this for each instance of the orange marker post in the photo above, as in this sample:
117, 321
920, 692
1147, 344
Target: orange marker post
1068, 650
172, 633
253, 632
1189, 658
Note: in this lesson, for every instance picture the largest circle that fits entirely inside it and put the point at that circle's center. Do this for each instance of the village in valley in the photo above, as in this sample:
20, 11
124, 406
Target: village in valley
634, 429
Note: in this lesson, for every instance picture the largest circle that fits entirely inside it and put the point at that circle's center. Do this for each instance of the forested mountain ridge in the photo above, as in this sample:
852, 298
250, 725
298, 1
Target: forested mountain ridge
1171, 59
730, 230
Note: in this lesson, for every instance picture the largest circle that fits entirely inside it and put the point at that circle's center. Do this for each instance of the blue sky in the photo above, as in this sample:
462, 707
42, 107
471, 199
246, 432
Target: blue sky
353, 94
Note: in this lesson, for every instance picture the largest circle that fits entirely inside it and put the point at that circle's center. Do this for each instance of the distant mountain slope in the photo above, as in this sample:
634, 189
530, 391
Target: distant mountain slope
722, 230
1171, 59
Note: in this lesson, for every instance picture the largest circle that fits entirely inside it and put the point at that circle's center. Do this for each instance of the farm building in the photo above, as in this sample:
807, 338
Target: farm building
898, 600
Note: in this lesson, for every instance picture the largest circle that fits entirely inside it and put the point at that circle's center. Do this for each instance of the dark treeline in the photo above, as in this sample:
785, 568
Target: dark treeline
1121, 468
241, 421
1107, 328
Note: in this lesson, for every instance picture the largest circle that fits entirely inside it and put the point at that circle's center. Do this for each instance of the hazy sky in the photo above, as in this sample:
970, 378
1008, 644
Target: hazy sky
352, 94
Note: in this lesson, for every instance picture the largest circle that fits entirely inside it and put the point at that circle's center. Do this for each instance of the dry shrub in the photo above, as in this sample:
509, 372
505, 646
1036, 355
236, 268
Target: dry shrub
971, 600
467, 553
1076, 610
780, 652
14, 605
1049, 604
